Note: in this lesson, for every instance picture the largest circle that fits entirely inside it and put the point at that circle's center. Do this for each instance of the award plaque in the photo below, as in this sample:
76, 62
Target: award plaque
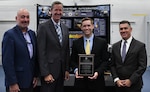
86, 65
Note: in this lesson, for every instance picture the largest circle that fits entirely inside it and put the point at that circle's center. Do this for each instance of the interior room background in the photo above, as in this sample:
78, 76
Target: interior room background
136, 11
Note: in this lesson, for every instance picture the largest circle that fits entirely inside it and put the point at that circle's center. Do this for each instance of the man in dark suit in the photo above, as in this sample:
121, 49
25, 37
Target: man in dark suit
98, 47
128, 65
19, 55
53, 51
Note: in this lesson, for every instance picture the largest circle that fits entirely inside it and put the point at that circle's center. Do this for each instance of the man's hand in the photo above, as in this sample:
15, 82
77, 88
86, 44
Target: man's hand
94, 76
14, 88
67, 75
35, 82
127, 83
124, 83
49, 78
120, 83
77, 76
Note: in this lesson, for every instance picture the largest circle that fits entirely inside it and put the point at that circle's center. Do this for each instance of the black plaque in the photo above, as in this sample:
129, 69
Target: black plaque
86, 65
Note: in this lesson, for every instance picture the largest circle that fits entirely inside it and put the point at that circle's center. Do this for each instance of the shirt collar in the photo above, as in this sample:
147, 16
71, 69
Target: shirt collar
26, 31
90, 38
55, 22
128, 40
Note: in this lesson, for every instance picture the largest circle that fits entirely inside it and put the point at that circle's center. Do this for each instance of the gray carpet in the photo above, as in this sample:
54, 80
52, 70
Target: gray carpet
2, 86
146, 79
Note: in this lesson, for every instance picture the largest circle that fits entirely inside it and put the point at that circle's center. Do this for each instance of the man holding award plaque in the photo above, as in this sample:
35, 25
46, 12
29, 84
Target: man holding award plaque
89, 59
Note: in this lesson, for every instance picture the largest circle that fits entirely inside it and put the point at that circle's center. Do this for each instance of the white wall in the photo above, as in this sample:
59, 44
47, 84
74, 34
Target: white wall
136, 11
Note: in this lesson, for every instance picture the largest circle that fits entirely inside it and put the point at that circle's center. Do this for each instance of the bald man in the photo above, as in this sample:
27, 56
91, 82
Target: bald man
19, 55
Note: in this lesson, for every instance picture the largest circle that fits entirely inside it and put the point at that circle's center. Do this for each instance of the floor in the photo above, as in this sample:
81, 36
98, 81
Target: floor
146, 79
2, 87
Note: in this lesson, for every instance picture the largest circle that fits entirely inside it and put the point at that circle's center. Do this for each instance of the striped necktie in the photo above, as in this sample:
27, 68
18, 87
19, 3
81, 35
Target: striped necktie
59, 33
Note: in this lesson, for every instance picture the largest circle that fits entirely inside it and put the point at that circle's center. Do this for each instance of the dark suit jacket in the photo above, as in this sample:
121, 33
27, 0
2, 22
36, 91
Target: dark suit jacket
134, 64
100, 59
18, 66
53, 57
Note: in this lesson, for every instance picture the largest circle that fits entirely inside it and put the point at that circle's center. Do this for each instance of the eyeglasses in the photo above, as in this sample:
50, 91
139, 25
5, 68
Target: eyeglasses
125, 28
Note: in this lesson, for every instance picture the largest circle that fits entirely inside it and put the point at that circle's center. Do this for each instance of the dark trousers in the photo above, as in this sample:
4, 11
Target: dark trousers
127, 89
56, 86
22, 89
88, 85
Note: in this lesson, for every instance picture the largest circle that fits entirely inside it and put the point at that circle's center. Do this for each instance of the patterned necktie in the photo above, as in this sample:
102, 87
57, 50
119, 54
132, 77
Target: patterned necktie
87, 48
58, 30
29, 44
124, 50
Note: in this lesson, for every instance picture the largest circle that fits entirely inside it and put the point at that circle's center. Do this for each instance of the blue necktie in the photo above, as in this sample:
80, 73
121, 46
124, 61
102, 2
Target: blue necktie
124, 51
59, 33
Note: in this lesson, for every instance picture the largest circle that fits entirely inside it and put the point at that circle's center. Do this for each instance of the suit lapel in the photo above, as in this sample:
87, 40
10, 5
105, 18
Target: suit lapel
32, 41
131, 47
94, 44
32, 38
20, 34
52, 31
22, 39
118, 50
81, 47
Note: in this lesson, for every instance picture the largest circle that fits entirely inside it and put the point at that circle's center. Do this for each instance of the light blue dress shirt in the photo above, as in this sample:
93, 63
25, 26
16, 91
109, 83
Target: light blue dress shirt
29, 44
